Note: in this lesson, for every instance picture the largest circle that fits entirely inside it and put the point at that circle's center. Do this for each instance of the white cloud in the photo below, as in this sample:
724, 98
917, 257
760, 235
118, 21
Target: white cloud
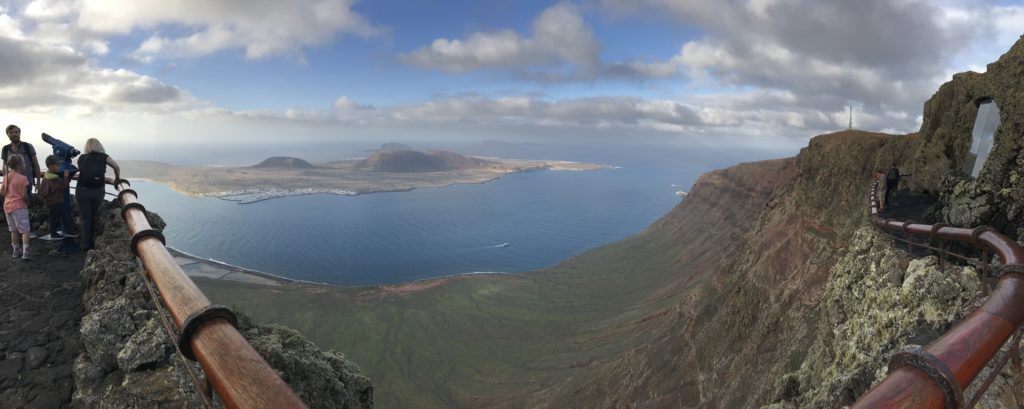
41, 74
884, 57
47, 9
561, 47
559, 36
261, 28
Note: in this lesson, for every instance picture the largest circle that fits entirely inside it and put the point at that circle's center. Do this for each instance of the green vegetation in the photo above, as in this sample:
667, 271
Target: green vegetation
471, 338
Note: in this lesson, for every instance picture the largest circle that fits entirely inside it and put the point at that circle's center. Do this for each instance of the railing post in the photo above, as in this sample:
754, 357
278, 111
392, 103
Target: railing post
1015, 357
942, 255
983, 274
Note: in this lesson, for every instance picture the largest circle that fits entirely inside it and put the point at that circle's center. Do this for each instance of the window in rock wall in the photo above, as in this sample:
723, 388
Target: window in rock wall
982, 137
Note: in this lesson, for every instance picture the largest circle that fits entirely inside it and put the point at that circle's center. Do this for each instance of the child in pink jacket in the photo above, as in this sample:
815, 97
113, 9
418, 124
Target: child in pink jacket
14, 189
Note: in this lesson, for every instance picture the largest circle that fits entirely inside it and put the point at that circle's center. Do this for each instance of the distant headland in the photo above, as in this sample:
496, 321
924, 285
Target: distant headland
394, 167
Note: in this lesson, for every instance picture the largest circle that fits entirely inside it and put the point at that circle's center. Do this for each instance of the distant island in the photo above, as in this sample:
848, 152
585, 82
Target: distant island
394, 167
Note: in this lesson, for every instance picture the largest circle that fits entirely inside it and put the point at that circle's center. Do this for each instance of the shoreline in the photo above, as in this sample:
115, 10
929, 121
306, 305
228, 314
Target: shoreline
207, 268
195, 266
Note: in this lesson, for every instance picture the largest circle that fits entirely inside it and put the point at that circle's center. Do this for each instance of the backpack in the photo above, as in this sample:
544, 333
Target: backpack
893, 174
92, 170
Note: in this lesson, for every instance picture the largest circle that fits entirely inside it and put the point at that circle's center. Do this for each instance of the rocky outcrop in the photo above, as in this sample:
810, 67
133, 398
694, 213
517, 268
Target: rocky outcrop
877, 300
996, 196
128, 361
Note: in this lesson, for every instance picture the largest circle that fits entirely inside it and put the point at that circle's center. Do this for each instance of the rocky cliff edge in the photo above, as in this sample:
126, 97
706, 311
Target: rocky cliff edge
128, 360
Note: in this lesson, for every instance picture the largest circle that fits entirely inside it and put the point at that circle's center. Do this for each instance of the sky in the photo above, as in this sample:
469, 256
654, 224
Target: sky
752, 73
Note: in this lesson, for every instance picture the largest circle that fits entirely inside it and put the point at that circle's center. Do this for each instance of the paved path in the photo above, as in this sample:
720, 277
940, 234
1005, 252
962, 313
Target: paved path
40, 311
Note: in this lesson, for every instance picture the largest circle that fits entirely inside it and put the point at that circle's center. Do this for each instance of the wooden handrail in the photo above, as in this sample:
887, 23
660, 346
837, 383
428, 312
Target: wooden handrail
936, 376
241, 377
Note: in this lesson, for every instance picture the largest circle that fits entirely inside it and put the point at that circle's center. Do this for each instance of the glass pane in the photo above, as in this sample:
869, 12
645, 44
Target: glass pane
984, 133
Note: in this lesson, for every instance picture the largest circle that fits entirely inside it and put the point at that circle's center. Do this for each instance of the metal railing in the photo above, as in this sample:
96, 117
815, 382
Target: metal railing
936, 376
206, 333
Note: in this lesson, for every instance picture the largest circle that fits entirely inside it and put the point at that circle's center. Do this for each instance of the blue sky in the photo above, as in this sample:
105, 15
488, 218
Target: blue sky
749, 72
368, 70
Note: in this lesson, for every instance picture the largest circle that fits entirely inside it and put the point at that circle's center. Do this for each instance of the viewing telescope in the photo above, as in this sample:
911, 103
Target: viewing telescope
64, 152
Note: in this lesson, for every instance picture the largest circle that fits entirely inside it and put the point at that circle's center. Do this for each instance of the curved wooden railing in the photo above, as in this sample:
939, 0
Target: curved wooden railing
241, 377
935, 376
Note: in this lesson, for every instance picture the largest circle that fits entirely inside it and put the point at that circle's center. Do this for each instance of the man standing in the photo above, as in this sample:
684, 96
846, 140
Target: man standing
892, 181
28, 153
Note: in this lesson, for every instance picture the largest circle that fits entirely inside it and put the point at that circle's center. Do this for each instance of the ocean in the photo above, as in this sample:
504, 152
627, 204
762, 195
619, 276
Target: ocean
518, 223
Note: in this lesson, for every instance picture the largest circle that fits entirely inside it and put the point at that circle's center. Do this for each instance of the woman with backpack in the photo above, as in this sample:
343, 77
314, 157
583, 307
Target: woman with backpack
92, 171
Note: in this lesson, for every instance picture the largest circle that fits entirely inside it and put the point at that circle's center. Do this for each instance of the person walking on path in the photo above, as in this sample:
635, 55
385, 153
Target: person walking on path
14, 191
26, 152
892, 181
92, 170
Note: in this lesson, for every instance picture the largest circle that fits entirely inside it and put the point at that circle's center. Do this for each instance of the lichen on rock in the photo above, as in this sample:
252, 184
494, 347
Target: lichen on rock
128, 360
877, 300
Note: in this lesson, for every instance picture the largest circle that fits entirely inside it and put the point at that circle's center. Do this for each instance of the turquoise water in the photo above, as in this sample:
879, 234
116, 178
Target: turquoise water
518, 223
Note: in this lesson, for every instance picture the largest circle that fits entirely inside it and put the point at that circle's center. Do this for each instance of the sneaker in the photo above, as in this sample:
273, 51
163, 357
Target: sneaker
25, 256
16, 253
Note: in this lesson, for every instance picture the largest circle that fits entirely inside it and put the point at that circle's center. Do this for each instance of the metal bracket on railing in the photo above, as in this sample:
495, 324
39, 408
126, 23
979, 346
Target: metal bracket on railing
120, 195
917, 357
983, 273
1009, 269
143, 234
196, 320
976, 233
129, 206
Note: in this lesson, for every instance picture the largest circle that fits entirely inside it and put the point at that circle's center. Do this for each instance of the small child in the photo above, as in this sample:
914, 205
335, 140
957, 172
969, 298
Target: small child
52, 191
14, 188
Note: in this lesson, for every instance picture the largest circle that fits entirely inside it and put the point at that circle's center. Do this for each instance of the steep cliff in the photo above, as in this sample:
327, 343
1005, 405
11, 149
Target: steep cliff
127, 358
761, 288
724, 286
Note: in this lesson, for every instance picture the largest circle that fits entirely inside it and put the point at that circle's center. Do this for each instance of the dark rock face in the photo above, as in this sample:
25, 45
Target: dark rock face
284, 162
128, 360
996, 196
